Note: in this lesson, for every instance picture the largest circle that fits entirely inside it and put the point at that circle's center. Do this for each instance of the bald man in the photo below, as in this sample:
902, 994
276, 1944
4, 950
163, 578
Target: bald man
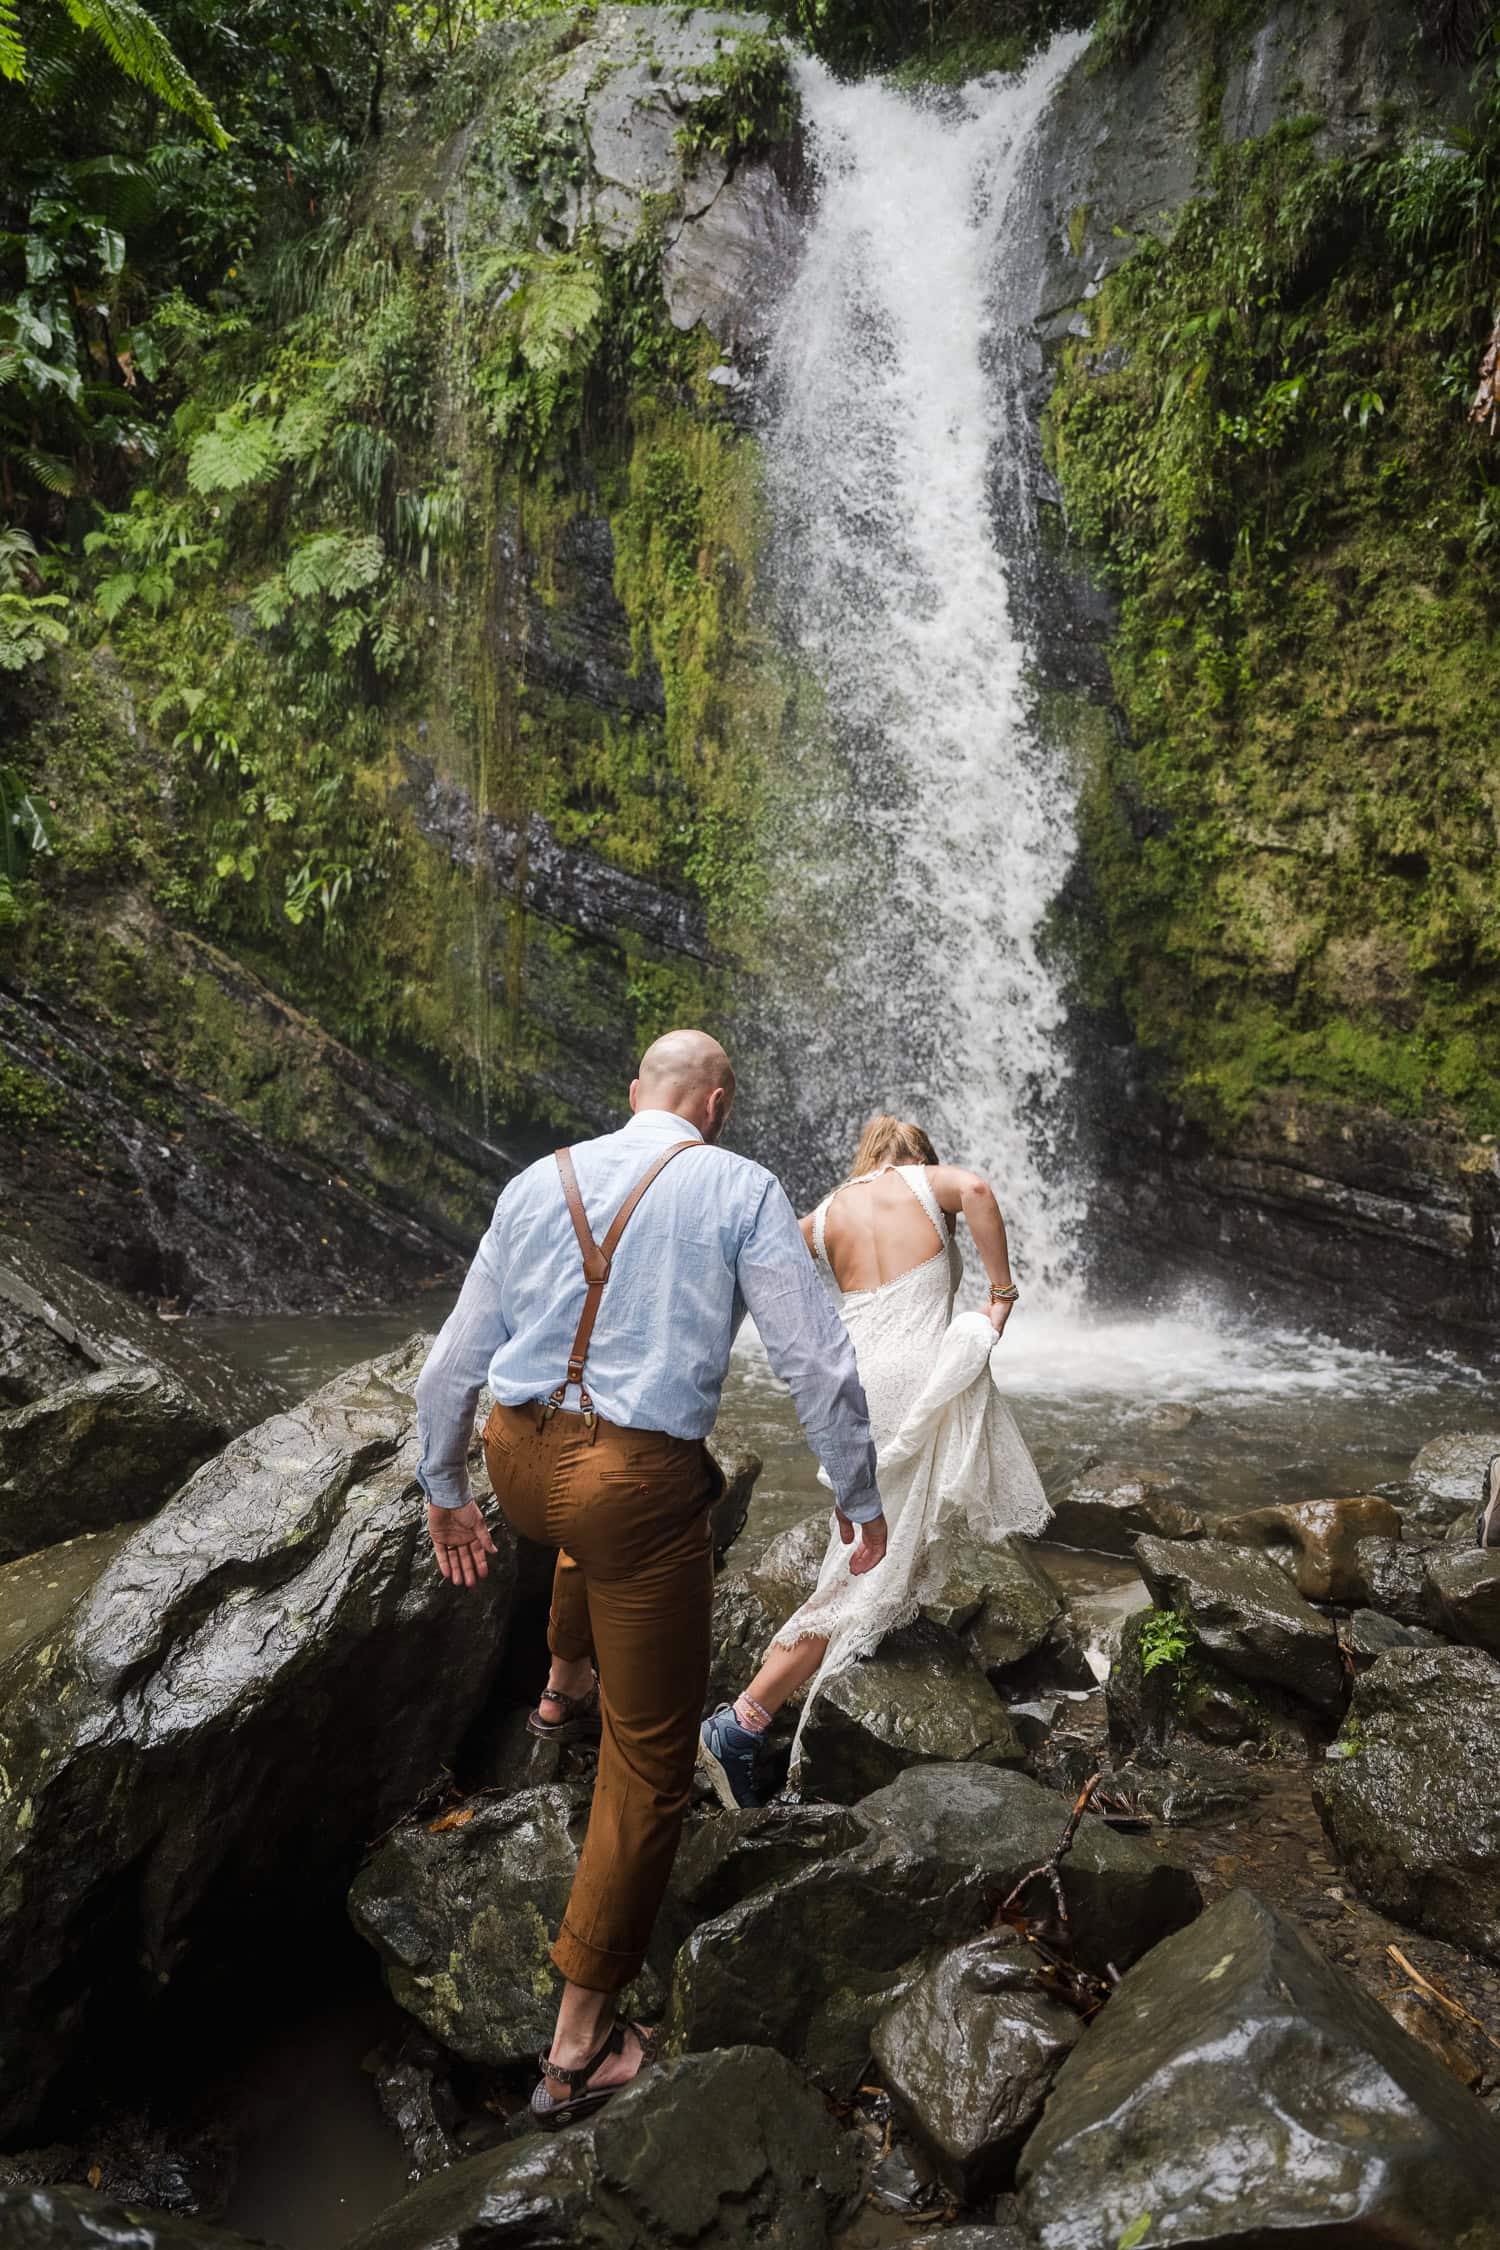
605, 1348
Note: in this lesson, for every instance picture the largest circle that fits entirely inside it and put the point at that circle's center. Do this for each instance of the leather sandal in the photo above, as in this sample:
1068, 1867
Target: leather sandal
582, 2100
580, 1716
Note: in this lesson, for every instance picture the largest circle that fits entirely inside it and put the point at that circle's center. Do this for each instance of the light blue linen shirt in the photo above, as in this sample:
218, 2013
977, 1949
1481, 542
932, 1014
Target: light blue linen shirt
714, 1237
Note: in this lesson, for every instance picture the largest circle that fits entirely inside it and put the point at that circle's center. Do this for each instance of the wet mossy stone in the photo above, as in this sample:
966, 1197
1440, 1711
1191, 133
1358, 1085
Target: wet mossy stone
1240, 2089
808, 1962
102, 1450
1110, 1506
919, 1700
726, 1856
1247, 1617
1412, 1808
263, 1676
463, 1919
69, 2218
722, 2151
1150, 1713
969, 2053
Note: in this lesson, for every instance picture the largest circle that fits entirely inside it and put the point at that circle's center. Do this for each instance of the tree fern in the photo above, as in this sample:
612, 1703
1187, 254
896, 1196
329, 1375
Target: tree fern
142, 51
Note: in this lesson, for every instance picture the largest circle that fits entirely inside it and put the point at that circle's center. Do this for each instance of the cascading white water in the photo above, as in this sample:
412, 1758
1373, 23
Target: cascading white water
924, 858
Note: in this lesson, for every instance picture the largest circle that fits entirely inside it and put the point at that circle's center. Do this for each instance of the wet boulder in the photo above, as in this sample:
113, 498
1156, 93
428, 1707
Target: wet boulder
998, 1596
1411, 1806
739, 1465
1447, 1477
1366, 1634
919, 1700
1394, 1581
788, 1570
726, 1856
463, 1910
969, 2053
807, 1962
260, 1678
1238, 2088
1111, 1505
98, 1451
1316, 1542
1246, 1617
59, 1324
71, 2218
721, 2150
1466, 1584
1153, 1704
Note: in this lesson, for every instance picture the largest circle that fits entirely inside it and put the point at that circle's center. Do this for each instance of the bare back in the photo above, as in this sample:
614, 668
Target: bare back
875, 1230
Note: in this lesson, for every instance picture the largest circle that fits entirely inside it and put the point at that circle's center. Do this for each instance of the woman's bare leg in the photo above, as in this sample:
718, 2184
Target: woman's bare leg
783, 1672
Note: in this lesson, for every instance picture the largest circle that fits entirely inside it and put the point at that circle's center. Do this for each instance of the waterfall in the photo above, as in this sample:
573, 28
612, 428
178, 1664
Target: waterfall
929, 826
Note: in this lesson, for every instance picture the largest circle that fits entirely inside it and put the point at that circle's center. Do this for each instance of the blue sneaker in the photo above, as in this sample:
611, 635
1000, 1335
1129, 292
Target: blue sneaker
726, 1755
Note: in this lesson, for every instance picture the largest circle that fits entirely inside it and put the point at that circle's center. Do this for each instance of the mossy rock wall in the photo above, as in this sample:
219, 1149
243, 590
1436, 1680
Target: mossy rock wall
427, 683
1263, 290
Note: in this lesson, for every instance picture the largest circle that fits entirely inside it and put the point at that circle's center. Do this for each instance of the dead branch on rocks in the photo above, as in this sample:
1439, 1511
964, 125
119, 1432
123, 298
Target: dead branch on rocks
1485, 407
1052, 1937
1443, 1999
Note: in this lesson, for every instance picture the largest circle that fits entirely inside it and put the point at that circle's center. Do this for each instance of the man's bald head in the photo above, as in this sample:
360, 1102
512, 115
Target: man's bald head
689, 1074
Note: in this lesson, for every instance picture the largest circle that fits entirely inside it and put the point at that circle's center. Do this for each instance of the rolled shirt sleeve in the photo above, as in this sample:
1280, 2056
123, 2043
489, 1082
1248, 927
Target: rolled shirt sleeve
455, 1372
809, 1348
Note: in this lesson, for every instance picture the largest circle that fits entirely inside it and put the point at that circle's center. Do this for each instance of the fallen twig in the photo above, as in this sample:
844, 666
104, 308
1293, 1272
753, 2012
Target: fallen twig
1443, 1999
1050, 1870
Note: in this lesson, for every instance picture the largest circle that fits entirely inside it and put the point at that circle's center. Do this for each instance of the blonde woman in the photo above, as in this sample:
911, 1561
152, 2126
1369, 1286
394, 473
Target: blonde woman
949, 1455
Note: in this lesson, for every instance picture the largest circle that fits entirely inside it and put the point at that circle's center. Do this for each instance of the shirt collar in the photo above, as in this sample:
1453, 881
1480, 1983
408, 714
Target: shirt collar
659, 1122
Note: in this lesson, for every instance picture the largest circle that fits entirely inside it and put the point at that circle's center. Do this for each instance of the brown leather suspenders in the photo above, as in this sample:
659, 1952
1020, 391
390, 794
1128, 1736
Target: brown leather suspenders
597, 1257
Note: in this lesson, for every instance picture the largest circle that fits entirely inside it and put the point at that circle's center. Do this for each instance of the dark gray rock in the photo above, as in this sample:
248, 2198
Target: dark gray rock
1448, 1475
263, 1676
1247, 1617
970, 2052
739, 1465
101, 1450
1150, 1712
1412, 1808
59, 1324
1240, 2089
1108, 1508
1466, 1584
726, 1856
920, 1700
808, 1962
1000, 1598
71, 2218
1007, 2236
463, 1917
788, 1570
722, 2151
1316, 1542
1394, 1580
1366, 1634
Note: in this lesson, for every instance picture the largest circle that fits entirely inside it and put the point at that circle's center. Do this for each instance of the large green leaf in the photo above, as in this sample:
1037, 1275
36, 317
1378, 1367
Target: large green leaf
144, 53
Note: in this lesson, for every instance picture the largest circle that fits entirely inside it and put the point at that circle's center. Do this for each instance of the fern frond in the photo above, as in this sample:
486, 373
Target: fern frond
236, 453
144, 53
12, 47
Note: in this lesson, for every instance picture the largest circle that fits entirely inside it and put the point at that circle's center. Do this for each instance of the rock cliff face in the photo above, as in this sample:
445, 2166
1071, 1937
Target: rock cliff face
1296, 672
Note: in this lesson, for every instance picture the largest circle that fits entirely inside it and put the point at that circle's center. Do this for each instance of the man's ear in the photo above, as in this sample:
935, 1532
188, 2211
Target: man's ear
635, 1094
718, 1108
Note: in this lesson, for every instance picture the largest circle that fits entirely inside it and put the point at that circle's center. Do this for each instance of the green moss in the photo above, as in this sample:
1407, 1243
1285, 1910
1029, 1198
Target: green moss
28, 1104
1262, 444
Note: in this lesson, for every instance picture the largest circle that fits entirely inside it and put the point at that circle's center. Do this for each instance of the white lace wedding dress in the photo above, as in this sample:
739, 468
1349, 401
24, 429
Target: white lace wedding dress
950, 1457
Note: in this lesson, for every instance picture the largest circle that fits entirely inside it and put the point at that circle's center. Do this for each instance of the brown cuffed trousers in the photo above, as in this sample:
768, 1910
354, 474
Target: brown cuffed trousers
633, 1589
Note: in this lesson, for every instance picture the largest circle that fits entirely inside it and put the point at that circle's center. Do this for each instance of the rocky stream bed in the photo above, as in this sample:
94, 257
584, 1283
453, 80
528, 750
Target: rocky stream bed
257, 1762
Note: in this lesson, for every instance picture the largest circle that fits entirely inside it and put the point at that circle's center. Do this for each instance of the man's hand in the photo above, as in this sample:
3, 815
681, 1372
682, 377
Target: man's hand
460, 1540
872, 1538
